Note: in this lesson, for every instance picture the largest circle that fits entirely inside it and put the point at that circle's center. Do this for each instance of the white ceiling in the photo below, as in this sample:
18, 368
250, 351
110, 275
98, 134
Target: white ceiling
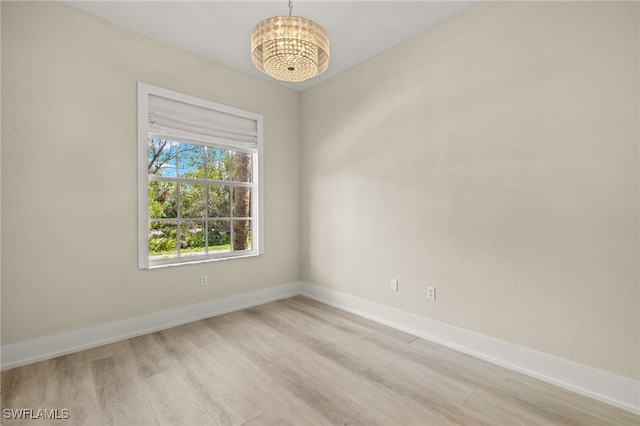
221, 30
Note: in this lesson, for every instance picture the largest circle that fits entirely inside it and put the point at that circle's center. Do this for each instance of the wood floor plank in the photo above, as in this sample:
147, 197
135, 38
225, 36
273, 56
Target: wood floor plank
445, 399
24, 387
225, 401
544, 406
176, 345
456, 365
197, 332
290, 362
260, 342
70, 387
355, 398
335, 321
148, 356
173, 400
410, 377
308, 330
121, 399
371, 325
517, 412
278, 404
532, 398
324, 400
104, 351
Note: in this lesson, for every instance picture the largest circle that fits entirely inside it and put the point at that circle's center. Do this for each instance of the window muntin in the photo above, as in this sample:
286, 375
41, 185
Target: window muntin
201, 188
202, 193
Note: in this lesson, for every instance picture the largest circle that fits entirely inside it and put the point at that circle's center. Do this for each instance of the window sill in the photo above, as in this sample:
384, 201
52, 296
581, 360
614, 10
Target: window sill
199, 261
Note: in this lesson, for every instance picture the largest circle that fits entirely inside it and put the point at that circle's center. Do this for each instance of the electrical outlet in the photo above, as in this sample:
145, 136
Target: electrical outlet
393, 284
203, 280
431, 293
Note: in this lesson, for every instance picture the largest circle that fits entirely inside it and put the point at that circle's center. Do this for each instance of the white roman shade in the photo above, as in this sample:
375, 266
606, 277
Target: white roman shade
179, 121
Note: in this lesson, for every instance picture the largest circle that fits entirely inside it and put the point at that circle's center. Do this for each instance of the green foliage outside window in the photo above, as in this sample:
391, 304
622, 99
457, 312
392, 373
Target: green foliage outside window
205, 211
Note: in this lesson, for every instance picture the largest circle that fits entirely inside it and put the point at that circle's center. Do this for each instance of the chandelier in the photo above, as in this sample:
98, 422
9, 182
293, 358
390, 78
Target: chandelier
290, 48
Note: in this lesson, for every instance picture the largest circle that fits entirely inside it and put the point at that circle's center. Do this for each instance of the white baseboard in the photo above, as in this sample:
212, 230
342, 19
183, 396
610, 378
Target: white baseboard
609, 388
22, 353
606, 387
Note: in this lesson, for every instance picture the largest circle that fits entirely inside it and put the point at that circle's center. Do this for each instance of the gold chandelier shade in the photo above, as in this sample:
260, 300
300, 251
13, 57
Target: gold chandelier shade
290, 48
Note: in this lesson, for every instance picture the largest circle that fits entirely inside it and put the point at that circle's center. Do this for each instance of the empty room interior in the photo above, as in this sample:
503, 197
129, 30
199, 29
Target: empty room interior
438, 223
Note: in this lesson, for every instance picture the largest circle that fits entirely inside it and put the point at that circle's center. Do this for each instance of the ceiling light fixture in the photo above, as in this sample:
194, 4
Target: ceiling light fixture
290, 48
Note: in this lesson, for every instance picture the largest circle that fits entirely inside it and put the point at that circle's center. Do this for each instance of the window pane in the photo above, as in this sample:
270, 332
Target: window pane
219, 201
219, 164
162, 157
163, 240
241, 235
162, 200
191, 161
219, 234
192, 238
192, 200
241, 201
242, 167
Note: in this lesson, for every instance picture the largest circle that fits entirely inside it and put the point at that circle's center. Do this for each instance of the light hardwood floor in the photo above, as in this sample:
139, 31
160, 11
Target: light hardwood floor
291, 362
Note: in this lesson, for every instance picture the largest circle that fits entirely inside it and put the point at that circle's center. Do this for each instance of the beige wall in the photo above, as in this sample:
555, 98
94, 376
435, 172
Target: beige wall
494, 157
69, 158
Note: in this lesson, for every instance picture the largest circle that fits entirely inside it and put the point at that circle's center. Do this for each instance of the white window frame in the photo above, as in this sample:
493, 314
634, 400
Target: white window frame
257, 245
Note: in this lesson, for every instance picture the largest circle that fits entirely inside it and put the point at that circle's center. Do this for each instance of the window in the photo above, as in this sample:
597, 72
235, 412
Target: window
199, 179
